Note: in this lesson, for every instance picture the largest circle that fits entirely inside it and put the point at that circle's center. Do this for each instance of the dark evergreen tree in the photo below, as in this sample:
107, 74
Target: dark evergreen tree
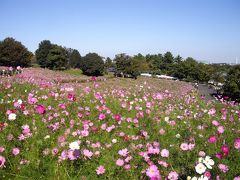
13, 53
74, 59
232, 84
57, 58
92, 65
42, 52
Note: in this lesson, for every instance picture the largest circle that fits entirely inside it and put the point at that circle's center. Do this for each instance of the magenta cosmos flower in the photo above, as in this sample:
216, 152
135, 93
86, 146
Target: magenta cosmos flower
117, 117
225, 149
100, 170
40, 109
101, 116
212, 139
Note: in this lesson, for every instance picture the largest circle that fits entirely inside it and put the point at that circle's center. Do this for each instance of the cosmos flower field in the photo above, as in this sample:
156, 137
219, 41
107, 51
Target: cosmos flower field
55, 125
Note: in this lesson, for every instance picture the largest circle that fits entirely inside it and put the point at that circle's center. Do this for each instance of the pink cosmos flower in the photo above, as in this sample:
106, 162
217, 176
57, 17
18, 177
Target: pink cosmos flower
184, 146
173, 175
87, 153
71, 97
224, 168
225, 149
212, 139
164, 153
119, 162
100, 170
2, 161
127, 166
237, 143
201, 153
40, 109
117, 117
220, 129
152, 172
207, 174
212, 111
163, 163
101, 116
15, 151
123, 152
237, 178
215, 123
161, 131
2, 149
54, 151
191, 146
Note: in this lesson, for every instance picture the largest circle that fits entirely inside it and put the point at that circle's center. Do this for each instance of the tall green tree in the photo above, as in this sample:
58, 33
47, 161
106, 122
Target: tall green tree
123, 61
56, 58
74, 59
232, 84
13, 53
42, 52
92, 65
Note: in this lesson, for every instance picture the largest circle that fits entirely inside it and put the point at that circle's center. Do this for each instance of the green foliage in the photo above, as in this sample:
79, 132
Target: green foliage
108, 63
51, 56
123, 61
13, 53
42, 52
56, 58
74, 58
92, 64
232, 85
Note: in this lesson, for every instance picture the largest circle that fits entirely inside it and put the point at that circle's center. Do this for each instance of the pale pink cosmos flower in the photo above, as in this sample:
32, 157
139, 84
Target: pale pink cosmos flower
119, 162
164, 153
2, 161
212, 111
191, 146
152, 171
123, 152
215, 123
15, 151
184, 146
100, 170
220, 129
161, 131
224, 168
163, 163
2, 149
87, 153
173, 175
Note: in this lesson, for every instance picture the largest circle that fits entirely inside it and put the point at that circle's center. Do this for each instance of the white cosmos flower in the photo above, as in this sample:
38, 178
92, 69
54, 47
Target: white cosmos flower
12, 116
74, 145
194, 178
208, 162
203, 178
200, 168
114, 141
200, 159
19, 101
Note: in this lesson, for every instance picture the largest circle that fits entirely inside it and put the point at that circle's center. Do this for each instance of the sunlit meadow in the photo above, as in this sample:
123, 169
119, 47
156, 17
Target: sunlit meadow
57, 125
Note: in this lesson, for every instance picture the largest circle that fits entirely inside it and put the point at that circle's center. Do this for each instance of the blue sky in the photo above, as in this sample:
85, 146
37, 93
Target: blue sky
207, 30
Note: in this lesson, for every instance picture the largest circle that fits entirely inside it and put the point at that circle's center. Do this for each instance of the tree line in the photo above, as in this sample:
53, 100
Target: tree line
56, 57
